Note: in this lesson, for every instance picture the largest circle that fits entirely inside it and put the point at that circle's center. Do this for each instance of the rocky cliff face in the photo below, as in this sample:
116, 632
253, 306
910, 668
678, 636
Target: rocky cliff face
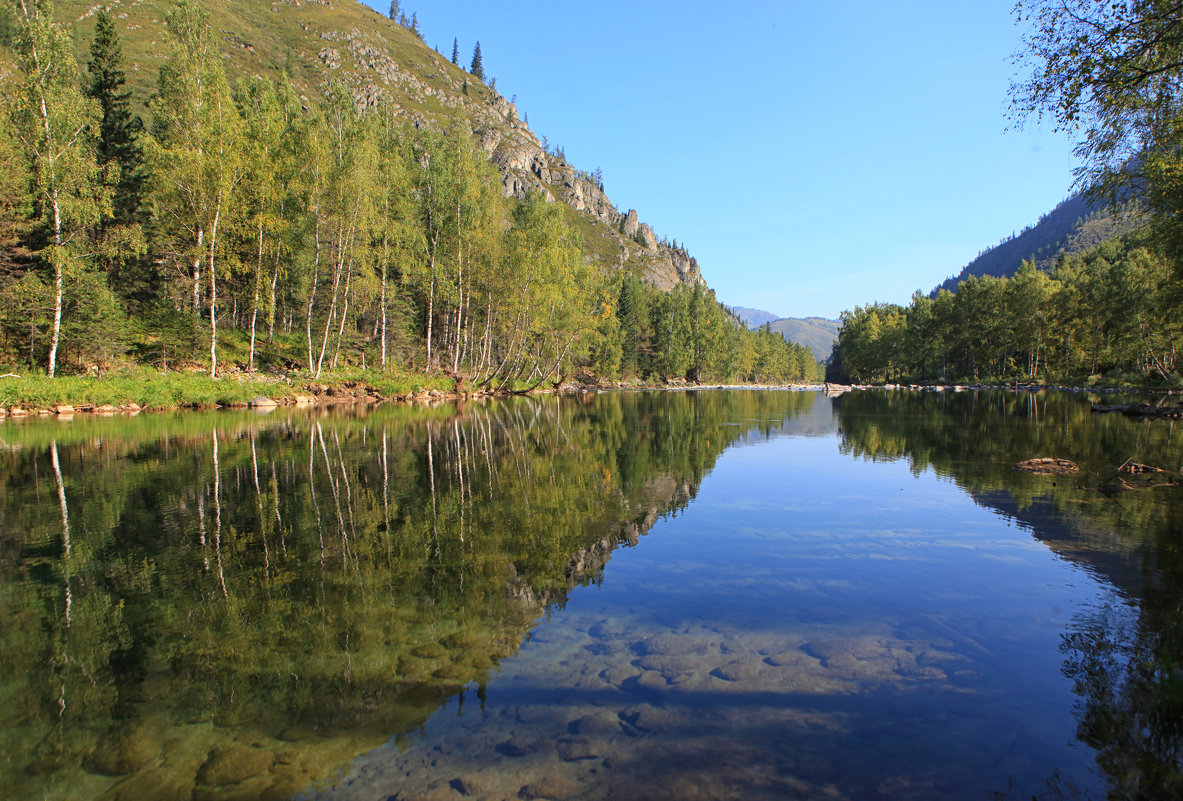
524, 163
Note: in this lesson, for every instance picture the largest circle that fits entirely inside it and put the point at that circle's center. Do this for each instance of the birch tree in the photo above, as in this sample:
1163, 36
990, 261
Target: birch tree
196, 152
55, 124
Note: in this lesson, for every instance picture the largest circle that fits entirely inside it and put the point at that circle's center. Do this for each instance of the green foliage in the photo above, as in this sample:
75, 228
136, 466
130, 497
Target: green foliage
1112, 71
54, 124
321, 236
119, 128
1110, 310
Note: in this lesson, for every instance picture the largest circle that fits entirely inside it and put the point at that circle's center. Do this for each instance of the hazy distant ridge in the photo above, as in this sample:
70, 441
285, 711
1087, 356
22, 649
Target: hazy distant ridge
753, 318
817, 333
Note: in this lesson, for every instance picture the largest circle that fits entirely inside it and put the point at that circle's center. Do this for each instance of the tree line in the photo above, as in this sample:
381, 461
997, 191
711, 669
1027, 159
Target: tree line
246, 220
1111, 311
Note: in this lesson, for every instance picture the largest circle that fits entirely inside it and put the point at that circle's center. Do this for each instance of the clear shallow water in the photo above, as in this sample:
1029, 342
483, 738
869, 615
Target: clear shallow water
711, 595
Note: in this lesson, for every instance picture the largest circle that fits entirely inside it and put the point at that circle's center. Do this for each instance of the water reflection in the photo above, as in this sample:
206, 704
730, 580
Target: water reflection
226, 605
1124, 657
866, 602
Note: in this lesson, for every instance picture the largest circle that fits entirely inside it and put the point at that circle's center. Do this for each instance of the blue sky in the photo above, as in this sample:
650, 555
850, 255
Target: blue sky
811, 156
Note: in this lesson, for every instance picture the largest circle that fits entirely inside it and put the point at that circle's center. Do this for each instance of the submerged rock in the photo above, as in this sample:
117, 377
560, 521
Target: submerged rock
234, 763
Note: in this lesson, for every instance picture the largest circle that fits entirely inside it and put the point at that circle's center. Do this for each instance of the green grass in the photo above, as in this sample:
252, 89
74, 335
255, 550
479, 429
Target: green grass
155, 390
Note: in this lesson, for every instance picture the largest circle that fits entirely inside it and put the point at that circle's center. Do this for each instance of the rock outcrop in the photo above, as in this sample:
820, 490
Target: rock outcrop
526, 164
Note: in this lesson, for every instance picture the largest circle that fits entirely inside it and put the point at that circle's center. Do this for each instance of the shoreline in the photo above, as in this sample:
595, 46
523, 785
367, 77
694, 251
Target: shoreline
358, 391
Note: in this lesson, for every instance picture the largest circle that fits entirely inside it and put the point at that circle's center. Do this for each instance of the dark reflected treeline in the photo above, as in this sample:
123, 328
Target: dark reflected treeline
213, 600
1125, 659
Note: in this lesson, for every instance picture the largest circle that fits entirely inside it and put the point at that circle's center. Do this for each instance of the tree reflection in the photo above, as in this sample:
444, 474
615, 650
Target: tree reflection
259, 599
1126, 659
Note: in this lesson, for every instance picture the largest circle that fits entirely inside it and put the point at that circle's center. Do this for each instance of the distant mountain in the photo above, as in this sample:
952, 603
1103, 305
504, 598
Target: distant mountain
1075, 225
818, 333
753, 318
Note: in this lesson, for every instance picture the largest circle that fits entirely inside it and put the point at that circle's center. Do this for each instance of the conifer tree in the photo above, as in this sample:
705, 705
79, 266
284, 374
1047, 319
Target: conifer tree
414, 27
395, 11
478, 68
119, 128
456, 52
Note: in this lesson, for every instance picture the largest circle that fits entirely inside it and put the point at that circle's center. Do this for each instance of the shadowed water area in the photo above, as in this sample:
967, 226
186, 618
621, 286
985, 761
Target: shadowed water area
700, 595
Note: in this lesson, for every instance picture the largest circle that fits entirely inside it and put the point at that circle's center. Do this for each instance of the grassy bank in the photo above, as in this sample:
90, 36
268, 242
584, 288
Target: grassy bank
150, 389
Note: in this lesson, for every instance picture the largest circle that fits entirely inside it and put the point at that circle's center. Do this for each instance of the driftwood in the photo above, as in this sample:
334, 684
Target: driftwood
1120, 486
1049, 466
1142, 410
1115, 484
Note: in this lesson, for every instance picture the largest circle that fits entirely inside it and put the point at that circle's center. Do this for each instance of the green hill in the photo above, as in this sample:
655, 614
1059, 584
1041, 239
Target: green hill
378, 60
816, 333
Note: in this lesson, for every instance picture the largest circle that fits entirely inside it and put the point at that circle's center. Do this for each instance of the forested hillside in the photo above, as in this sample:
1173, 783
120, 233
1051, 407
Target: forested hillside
1073, 226
282, 204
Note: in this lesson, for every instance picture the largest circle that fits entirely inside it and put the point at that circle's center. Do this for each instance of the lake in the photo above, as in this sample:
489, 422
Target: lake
682, 595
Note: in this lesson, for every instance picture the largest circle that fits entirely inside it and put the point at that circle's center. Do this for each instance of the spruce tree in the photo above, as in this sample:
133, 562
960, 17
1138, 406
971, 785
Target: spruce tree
395, 11
414, 28
478, 68
120, 128
456, 52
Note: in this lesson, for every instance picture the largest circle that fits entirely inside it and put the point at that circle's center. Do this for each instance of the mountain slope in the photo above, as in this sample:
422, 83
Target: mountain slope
314, 41
1075, 225
817, 333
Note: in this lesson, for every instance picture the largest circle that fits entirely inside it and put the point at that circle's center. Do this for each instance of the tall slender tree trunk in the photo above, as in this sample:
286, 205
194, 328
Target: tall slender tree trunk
55, 203
197, 270
58, 283
250, 364
430, 308
324, 344
312, 291
213, 293
383, 301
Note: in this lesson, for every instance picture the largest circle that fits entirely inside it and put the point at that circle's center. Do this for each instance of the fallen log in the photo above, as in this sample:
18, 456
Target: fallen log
1141, 410
1049, 466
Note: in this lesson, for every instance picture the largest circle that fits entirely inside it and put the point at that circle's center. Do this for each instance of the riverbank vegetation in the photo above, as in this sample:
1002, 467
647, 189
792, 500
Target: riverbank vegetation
247, 228
1108, 316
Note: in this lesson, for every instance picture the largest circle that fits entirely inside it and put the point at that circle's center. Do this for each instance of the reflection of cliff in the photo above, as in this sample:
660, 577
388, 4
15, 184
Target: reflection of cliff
1124, 658
975, 439
238, 606
1078, 539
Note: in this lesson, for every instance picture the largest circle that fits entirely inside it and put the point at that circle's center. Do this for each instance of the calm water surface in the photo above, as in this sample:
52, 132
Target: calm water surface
624, 596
